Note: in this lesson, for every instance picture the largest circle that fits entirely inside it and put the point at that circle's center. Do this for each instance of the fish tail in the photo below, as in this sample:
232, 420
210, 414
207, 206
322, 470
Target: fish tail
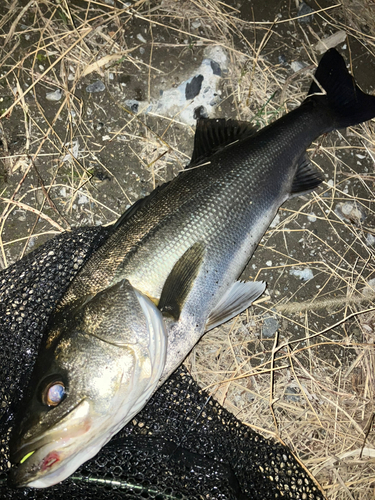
347, 104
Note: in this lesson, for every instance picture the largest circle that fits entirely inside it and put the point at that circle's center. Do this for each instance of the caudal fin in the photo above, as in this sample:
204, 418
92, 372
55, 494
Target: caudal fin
348, 104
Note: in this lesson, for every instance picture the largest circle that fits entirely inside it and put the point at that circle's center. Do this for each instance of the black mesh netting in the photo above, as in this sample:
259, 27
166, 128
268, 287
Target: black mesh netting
182, 445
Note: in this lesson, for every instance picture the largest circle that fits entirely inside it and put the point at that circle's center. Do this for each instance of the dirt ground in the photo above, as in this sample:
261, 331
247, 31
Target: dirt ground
299, 365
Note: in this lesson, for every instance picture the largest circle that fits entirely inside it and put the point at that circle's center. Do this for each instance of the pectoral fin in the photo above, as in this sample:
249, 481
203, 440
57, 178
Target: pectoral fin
180, 281
238, 298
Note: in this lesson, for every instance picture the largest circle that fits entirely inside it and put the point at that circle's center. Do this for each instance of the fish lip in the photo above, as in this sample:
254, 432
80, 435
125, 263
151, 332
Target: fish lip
36, 444
51, 452
60, 456
20, 475
18, 455
14, 478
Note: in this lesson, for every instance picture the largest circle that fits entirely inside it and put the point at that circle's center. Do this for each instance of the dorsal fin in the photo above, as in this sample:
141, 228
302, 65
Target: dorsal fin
211, 135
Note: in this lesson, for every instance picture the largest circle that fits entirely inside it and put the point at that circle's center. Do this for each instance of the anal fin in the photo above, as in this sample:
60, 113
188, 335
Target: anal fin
307, 178
238, 298
180, 281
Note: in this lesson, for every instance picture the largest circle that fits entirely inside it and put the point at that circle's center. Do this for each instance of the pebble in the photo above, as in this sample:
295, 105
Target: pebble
292, 394
141, 38
283, 60
370, 240
297, 66
369, 289
303, 274
311, 217
82, 199
303, 10
54, 96
275, 221
270, 327
97, 86
351, 212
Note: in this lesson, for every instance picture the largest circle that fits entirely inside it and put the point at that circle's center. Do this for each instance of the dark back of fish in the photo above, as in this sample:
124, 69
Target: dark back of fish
182, 444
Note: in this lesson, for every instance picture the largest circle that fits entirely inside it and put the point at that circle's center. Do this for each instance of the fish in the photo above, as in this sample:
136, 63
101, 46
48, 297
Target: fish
193, 446
168, 272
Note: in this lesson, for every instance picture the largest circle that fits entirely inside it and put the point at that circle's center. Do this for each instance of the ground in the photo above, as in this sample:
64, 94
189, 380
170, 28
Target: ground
299, 364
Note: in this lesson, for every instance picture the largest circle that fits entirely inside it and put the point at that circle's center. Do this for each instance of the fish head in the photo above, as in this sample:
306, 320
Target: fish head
98, 367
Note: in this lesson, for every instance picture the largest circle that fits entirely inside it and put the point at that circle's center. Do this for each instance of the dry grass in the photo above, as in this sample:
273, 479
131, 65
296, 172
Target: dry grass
313, 385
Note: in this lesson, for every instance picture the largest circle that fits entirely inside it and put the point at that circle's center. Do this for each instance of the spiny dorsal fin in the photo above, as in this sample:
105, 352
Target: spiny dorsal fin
180, 281
307, 178
238, 298
211, 135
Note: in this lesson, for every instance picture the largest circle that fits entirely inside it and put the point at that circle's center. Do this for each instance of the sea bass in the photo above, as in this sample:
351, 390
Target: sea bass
167, 273
173, 454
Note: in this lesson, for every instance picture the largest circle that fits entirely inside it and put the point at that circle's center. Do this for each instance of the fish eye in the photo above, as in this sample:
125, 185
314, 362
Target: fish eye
53, 392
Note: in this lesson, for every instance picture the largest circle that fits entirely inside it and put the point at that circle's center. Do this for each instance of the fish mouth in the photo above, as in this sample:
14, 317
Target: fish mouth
35, 464
50, 451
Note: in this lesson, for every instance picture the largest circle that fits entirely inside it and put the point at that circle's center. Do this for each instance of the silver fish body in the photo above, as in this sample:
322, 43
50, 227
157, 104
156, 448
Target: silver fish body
223, 206
181, 251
